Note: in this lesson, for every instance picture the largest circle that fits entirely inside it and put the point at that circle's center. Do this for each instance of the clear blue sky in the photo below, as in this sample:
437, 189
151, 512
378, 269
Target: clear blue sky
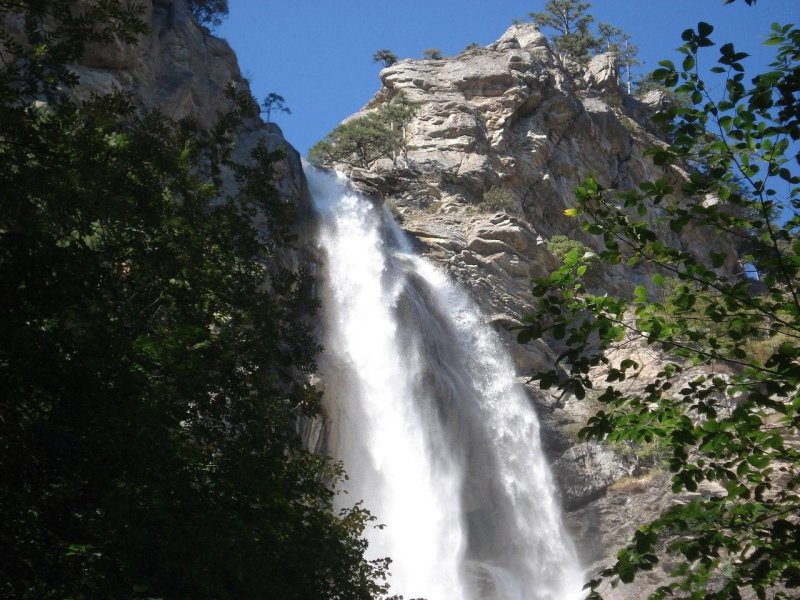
318, 53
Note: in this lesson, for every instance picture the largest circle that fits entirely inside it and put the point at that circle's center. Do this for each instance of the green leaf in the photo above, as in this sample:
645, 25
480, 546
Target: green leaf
759, 461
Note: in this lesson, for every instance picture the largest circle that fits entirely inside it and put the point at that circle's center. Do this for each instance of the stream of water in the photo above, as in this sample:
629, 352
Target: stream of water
424, 409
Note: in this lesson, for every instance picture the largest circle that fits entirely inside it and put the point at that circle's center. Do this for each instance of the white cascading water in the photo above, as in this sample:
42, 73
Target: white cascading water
438, 438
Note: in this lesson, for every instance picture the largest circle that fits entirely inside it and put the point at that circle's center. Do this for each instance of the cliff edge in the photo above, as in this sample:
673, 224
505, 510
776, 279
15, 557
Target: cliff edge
500, 138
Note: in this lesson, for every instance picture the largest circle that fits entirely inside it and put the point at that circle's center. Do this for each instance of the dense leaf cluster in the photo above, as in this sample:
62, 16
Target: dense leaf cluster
153, 349
722, 411
362, 141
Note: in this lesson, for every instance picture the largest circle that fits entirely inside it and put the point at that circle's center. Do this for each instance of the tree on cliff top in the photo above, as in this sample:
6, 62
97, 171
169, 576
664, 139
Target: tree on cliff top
151, 368
209, 12
432, 53
385, 56
362, 141
274, 103
575, 39
725, 405
571, 22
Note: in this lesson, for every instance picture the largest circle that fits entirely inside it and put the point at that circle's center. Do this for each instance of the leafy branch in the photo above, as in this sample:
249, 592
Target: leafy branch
736, 430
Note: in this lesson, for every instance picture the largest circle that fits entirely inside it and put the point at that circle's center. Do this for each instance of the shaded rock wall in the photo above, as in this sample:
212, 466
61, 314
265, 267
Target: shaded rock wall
181, 69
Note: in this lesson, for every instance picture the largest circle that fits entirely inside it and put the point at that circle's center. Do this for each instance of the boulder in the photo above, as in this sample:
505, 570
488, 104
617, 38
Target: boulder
601, 73
584, 472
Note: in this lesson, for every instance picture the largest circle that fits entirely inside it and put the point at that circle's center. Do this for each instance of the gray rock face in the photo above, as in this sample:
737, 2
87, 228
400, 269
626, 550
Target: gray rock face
611, 520
584, 472
601, 73
513, 117
179, 67
510, 115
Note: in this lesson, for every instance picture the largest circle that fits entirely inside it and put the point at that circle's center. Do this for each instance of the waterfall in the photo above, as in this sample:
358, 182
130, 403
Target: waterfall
437, 436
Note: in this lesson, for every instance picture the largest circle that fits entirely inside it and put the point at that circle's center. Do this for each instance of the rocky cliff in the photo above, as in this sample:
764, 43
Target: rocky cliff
508, 121
501, 137
182, 70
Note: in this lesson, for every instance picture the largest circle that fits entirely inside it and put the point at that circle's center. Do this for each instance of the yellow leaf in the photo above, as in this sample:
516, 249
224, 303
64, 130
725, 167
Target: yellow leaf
571, 212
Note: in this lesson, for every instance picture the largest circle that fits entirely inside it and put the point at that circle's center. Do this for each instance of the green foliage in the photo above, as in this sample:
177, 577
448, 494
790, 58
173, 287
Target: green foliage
735, 423
576, 256
571, 22
209, 12
432, 53
274, 102
151, 371
497, 198
362, 141
560, 246
641, 458
385, 56
647, 84
611, 38
575, 39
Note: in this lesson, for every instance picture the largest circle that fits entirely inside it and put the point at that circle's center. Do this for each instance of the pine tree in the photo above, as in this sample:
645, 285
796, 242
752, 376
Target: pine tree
385, 56
274, 102
364, 140
571, 22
